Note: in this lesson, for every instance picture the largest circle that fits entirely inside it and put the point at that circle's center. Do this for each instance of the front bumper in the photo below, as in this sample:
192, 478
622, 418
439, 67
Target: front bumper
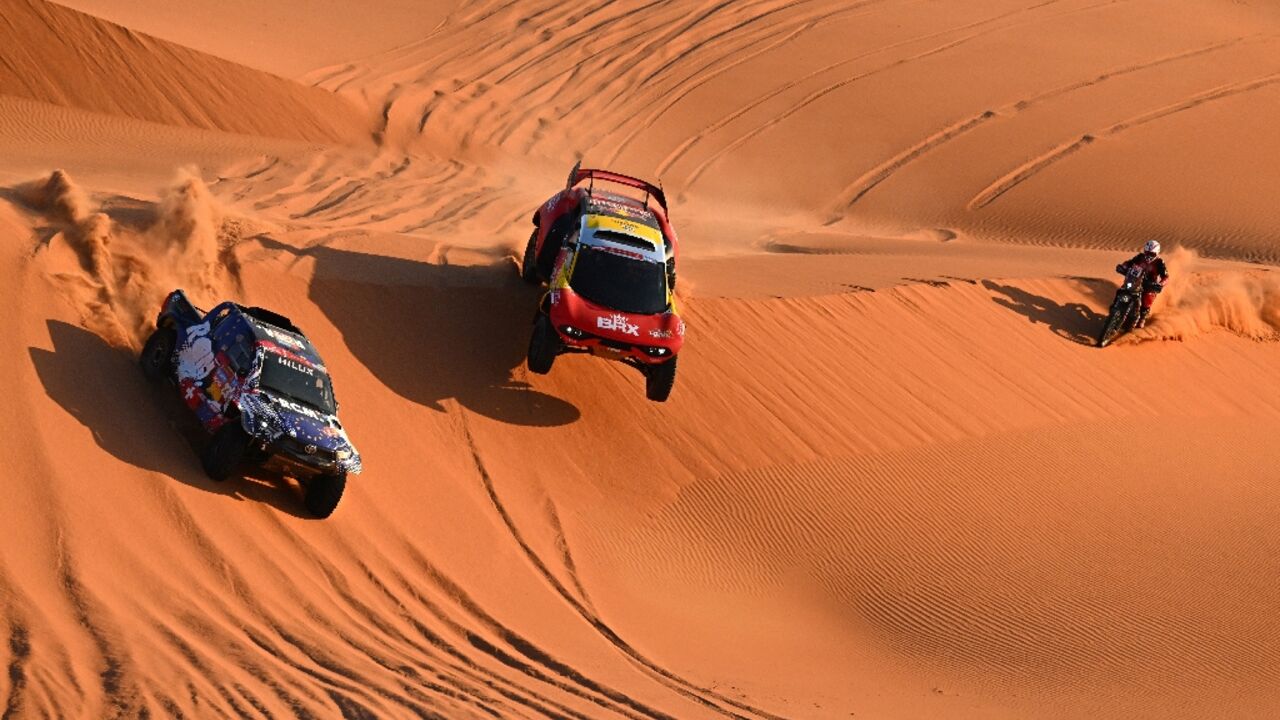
291, 457
631, 353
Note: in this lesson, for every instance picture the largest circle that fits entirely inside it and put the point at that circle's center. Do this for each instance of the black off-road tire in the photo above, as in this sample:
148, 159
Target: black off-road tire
225, 452
529, 265
157, 354
556, 234
659, 379
323, 493
544, 345
1111, 329
1131, 319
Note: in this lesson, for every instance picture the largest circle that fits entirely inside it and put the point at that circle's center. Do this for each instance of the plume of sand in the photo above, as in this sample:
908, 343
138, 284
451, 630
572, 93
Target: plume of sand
1243, 302
59, 197
123, 275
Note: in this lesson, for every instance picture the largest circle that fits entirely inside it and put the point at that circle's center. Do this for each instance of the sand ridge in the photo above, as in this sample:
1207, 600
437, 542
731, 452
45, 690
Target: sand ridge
895, 479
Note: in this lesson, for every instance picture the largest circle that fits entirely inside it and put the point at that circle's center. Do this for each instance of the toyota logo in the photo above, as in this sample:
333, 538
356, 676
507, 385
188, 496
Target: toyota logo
311, 449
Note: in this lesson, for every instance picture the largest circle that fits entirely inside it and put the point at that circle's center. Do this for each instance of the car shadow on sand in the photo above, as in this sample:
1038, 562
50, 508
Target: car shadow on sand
1076, 322
143, 425
431, 332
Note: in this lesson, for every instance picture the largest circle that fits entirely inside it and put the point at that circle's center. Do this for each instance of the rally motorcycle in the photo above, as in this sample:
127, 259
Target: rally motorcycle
1125, 308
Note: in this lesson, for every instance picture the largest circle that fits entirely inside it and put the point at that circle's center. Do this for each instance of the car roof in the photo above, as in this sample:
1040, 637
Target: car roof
623, 237
276, 330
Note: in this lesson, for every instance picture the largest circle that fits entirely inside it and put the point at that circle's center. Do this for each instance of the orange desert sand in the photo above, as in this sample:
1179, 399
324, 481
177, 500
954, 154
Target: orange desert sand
894, 480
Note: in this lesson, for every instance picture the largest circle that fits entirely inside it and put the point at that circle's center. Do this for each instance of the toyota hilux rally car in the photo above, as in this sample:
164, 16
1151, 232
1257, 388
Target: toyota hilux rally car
261, 392
609, 261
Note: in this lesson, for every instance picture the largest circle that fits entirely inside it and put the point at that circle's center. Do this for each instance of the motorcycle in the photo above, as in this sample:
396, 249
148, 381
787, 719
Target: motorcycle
1125, 308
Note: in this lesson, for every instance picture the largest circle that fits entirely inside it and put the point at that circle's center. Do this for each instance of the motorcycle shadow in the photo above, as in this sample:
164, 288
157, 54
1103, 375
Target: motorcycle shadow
1076, 322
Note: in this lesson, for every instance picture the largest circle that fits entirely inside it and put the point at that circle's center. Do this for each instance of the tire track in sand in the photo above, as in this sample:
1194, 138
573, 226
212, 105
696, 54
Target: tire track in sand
681, 151
19, 654
882, 172
704, 696
868, 181
1037, 164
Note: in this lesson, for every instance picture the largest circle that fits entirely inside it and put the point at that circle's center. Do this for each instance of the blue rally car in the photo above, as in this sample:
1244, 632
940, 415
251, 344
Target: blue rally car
260, 390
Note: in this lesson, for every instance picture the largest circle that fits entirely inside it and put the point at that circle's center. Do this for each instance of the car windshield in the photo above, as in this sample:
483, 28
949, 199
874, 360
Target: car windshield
297, 381
619, 282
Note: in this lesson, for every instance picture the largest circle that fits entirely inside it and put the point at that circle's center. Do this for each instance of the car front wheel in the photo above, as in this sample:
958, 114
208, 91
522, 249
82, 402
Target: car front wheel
225, 452
323, 494
659, 379
544, 345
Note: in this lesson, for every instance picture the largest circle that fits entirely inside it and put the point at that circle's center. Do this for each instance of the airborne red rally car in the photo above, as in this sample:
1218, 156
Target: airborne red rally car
609, 261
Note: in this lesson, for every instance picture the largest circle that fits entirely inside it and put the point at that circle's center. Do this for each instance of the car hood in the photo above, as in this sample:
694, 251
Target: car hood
664, 329
271, 417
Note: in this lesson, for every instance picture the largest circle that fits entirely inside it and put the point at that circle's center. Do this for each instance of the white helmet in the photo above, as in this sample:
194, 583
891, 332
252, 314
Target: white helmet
1152, 246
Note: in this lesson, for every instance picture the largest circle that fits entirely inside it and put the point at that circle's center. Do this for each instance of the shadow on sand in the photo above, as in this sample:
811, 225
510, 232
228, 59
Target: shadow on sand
144, 426
431, 332
1076, 322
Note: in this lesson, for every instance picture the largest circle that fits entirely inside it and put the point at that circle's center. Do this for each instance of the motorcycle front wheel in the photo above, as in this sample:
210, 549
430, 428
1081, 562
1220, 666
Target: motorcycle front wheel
1111, 328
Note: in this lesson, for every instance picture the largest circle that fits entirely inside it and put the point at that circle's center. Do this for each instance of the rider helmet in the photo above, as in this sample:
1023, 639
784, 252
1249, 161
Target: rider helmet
1152, 247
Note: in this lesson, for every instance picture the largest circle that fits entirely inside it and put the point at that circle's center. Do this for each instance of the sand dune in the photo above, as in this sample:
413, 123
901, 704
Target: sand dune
59, 56
895, 478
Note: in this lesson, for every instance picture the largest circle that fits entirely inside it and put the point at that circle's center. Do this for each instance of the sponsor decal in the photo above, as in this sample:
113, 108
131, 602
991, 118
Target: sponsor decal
619, 251
196, 331
196, 359
283, 338
661, 334
295, 365
298, 408
617, 323
617, 208
644, 232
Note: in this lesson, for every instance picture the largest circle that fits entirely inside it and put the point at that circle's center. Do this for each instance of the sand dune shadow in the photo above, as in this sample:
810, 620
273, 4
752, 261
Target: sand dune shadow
144, 426
432, 332
1076, 322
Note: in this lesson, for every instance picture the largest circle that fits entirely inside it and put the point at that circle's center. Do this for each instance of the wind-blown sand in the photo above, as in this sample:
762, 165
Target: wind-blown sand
894, 480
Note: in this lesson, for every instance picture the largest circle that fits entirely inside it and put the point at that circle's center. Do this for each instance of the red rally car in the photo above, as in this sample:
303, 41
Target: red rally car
609, 262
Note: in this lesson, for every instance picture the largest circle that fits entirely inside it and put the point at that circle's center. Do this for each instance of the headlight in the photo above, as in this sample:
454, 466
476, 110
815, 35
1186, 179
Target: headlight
572, 332
343, 454
656, 351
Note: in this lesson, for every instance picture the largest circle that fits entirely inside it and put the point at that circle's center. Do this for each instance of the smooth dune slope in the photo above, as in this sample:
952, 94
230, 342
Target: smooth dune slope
895, 479
56, 55
284, 38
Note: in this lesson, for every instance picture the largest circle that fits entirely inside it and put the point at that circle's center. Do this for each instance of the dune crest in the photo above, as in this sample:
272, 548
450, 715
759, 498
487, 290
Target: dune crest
63, 57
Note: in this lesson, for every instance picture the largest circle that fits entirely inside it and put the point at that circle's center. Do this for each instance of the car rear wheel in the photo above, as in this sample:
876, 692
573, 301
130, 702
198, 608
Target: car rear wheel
323, 493
659, 379
225, 451
529, 266
157, 354
544, 345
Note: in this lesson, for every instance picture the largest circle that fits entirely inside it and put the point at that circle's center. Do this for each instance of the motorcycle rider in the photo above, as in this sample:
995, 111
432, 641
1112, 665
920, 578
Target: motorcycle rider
1154, 276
